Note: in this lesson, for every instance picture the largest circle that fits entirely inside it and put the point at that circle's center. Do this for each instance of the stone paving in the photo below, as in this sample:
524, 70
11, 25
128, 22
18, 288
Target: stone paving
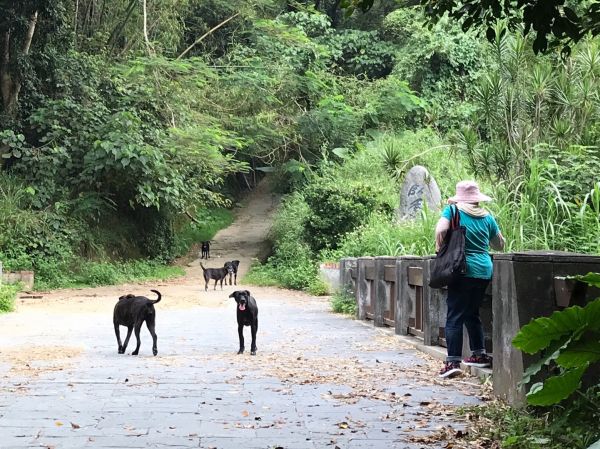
318, 381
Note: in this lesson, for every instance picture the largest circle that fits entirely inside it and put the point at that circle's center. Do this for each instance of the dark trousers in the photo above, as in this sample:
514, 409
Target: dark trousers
464, 299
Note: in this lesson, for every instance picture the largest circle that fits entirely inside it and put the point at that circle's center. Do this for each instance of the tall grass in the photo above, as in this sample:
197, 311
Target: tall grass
8, 293
92, 274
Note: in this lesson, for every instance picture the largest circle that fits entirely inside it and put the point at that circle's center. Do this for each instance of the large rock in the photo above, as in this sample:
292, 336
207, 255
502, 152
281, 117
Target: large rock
418, 187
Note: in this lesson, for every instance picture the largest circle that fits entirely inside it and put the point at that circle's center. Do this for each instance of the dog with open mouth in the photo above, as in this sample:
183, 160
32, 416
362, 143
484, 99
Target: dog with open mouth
247, 315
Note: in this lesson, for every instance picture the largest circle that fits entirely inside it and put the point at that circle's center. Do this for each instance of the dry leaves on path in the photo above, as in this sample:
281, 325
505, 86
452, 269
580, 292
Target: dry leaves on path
32, 361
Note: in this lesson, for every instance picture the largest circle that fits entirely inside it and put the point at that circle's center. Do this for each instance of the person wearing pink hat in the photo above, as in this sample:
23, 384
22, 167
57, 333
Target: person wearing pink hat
466, 294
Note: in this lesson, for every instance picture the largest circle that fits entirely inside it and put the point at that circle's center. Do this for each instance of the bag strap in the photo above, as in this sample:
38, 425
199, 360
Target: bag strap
454, 217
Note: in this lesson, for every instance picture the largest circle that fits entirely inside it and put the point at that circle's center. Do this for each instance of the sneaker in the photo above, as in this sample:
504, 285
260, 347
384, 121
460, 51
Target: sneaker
450, 369
479, 361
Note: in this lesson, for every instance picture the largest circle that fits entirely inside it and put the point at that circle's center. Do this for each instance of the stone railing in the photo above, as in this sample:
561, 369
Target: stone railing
394, 292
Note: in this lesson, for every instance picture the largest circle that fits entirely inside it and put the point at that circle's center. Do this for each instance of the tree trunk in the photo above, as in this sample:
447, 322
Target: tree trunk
10, 83
149, 47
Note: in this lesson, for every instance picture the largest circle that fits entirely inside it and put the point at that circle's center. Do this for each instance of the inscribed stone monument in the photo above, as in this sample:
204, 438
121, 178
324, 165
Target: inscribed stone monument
418, 187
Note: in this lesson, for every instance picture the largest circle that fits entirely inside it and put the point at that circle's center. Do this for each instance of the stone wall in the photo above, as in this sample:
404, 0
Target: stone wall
26, 277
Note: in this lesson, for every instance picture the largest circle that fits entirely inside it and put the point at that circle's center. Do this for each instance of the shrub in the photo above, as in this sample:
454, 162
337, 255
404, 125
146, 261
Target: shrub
381, 236
336, 209
317, 287
8, 294
343, 303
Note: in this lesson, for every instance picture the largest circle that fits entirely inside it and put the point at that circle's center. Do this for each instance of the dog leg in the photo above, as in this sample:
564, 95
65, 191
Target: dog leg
129, 329
150, 324
235, 277
205, 284
253, 329
216, 280
241, 335
138, 326
118, 334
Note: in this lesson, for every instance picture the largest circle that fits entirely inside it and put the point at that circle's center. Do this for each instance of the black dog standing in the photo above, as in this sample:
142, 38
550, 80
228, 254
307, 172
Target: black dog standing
218, 274
131, 311
205, 250
233, 269
247, 315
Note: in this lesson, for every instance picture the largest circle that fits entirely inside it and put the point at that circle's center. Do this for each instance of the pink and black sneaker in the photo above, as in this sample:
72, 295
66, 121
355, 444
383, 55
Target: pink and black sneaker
478, 361
450, 369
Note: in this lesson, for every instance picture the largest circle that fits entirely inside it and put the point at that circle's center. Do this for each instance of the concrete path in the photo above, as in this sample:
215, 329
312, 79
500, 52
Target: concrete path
319, 380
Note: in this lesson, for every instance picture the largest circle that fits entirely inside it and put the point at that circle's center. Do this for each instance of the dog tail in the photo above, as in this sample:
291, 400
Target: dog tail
159, 296
203, 269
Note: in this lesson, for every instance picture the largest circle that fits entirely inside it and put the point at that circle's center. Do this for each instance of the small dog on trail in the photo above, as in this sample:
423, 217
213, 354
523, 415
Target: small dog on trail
247, 315
131, 311
234, 264
218, 274
205, 250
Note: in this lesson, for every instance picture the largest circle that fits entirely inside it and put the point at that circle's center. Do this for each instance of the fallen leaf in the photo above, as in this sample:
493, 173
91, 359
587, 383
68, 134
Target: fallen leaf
75, 426
245, 413
58, 423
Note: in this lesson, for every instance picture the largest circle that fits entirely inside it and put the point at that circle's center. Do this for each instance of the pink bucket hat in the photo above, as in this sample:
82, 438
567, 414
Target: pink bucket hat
468, 192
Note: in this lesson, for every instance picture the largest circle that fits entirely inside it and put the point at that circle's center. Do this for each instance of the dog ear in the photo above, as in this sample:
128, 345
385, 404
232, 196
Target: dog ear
247, 292
232, 295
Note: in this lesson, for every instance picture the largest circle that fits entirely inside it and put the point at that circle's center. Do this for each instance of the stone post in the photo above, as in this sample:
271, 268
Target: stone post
381, 289
363, 287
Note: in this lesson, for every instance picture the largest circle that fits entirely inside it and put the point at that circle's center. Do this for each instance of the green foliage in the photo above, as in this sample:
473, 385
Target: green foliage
337, 209
360, 53
317, 287
263, 275
380, 236
554, 427
440, 63
92, 274
331, 124
209, 222
8, 294
555, 23
342, 303
570, 340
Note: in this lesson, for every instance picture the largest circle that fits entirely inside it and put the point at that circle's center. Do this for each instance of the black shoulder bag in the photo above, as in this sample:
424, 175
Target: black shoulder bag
450, 263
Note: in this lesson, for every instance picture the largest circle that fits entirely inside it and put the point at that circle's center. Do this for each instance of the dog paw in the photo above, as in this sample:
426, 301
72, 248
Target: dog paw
134, 353
253, 353
241, 351
155, 351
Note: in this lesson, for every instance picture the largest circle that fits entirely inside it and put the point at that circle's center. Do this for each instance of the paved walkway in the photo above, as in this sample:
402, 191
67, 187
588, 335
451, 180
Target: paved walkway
319, 381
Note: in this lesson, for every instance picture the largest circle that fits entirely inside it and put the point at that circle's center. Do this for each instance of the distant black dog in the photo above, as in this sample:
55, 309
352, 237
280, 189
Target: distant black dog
131, 311
247, 315
205, 250
218, 274
234, 264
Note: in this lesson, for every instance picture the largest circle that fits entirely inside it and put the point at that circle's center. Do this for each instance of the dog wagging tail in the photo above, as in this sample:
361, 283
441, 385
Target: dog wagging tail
157, 299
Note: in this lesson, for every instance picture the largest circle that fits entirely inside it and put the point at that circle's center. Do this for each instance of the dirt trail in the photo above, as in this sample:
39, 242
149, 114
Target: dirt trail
245, 240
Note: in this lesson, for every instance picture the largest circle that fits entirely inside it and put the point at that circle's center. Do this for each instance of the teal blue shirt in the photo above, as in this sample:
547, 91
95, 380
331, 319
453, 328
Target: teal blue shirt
480, 230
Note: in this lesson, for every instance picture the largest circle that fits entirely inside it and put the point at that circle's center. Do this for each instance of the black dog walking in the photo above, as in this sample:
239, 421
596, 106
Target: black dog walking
131, 311
247, 315
218, 274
